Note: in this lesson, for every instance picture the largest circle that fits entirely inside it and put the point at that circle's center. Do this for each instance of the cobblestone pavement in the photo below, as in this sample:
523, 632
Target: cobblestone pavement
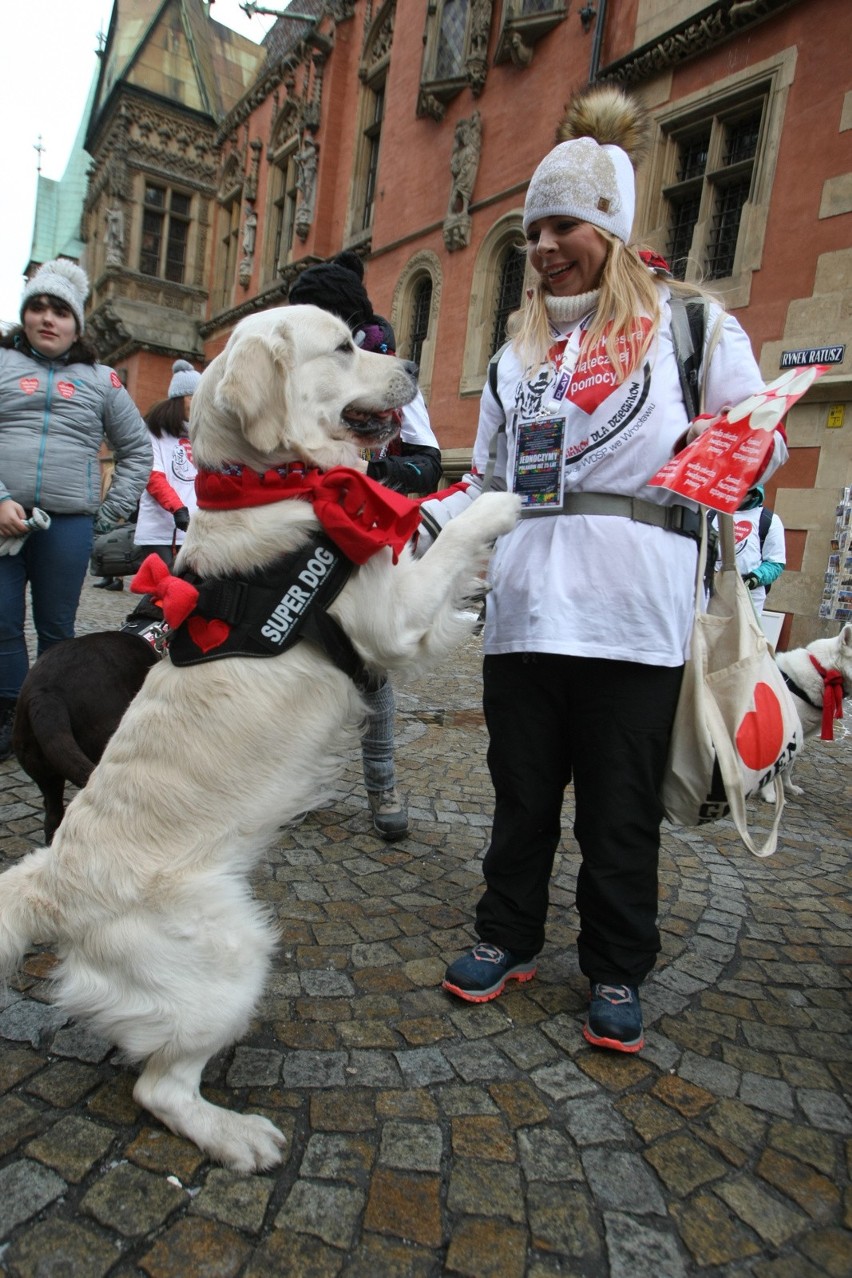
428, 1137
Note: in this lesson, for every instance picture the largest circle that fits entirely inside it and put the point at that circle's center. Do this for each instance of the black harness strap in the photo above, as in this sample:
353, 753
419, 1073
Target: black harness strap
269, 611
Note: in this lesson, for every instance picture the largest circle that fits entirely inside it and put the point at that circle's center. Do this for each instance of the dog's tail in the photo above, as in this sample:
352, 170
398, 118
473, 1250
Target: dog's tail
25, 916
51, 725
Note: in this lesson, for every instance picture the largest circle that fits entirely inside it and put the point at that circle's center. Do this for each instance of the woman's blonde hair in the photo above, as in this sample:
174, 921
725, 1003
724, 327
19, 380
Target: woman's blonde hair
628, 290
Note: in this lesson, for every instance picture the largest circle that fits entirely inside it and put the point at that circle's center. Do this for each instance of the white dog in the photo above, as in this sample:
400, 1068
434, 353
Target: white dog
144, 893
807, 686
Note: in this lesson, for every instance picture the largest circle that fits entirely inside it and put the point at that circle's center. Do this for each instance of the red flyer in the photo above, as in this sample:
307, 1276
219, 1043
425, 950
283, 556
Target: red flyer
727, 459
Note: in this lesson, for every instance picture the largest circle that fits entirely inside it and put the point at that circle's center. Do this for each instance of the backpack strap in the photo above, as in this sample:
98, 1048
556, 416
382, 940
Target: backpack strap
689, 325
763, 525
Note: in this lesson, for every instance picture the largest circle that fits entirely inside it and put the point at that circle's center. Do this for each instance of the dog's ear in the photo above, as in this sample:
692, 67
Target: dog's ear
253, 387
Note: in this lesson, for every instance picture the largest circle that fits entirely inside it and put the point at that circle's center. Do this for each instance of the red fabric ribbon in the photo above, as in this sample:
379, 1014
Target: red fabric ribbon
176, 597
832, 698
359, 515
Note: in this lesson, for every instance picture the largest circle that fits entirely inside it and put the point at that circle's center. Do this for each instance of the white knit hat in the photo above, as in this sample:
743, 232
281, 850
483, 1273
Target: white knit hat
585, 180
63, 279
185, 380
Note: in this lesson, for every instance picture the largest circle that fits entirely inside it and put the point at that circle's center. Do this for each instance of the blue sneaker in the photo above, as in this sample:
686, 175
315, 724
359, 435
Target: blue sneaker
615, 1018
481, 974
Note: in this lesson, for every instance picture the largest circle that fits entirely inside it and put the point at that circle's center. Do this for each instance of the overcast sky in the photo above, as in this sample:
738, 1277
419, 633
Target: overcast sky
47, 60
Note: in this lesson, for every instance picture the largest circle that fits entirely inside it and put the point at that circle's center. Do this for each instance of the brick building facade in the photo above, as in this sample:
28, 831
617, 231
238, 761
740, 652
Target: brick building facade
408, 130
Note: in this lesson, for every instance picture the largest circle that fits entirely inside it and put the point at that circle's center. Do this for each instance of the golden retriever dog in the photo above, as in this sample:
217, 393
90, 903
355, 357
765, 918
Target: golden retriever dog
144, 893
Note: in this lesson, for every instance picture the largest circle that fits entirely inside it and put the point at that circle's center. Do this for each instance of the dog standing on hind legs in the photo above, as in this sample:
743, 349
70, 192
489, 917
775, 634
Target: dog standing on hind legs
144, 893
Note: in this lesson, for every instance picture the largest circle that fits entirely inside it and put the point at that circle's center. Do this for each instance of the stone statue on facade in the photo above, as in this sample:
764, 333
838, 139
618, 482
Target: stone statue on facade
114, 238
464, 163
306, 184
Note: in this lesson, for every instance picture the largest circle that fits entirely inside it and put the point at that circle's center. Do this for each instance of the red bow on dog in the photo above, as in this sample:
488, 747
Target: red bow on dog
176, 597
359, 515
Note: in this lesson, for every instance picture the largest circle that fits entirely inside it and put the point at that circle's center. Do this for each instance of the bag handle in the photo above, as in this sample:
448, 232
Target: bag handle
725, 753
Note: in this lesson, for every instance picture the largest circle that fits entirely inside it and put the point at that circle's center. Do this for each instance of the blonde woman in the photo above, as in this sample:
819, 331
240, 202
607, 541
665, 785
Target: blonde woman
588, 623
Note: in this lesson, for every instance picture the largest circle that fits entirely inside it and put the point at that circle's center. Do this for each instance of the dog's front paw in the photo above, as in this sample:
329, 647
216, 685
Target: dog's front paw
491, 516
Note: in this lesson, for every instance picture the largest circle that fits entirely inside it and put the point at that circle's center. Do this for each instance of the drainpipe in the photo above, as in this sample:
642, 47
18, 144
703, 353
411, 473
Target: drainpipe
600, 21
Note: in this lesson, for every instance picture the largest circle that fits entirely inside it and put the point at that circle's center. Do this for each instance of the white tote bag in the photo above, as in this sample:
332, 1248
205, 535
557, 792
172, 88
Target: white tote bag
736, 726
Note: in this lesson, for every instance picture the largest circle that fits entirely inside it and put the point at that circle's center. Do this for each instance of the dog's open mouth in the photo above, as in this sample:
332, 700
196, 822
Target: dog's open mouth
371, 427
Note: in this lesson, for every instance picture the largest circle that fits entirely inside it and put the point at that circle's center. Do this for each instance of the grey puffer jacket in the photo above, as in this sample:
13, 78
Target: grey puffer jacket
53, 416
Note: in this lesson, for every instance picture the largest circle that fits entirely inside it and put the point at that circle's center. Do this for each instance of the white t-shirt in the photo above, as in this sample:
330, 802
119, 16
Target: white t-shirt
600, 585
155, 525
748, 551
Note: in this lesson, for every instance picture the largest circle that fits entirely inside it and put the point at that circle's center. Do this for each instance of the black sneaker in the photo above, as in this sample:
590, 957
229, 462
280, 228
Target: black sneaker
482, 973
615, 1018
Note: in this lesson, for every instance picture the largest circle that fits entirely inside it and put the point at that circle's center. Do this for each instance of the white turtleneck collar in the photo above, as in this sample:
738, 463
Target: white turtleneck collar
564, 310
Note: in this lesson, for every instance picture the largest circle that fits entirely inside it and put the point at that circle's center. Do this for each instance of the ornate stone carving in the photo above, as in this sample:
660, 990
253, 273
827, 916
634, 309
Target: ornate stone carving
106, 330
428, 104
306, 183
476, 59
692, 37
114, 237
464, 163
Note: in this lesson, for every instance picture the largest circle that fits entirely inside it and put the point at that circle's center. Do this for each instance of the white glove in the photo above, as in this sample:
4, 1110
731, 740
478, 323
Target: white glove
37, 520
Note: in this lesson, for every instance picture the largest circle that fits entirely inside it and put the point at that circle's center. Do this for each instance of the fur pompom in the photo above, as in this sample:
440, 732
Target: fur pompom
74, 274
610, 116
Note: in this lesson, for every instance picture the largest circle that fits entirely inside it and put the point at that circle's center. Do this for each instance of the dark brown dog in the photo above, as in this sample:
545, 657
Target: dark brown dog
69, 706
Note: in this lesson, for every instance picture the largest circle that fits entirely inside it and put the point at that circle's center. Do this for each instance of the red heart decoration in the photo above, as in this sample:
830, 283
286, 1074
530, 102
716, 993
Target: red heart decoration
207, 634
66, 389
29, 385
760, 736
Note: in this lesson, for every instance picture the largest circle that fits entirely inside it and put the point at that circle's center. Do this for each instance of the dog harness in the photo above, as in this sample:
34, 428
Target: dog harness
265, 612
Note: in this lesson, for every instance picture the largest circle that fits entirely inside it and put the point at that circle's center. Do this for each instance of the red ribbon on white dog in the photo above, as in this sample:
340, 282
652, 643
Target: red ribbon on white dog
832, 698
176, 597
359, 515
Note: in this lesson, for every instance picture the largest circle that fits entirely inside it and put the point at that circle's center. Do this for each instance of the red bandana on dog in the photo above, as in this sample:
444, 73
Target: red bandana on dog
359, 515
832, 698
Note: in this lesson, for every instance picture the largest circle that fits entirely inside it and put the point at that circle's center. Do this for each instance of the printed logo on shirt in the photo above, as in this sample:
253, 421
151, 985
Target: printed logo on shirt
742, 531
181, 462
594, 377
29, 385
114, 377
66, 389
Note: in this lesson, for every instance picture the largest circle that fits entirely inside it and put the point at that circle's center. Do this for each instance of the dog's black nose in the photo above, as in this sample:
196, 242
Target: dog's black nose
411, 367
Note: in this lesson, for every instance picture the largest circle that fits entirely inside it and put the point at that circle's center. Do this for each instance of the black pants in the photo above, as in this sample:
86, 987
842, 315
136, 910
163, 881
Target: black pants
607, 724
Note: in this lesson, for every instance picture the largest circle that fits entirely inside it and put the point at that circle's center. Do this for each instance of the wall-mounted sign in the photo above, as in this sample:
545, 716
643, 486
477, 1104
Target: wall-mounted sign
813, 355
835, 416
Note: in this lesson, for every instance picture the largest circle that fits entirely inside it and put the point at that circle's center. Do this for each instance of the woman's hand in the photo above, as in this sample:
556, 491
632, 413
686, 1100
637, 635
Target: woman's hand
12, 517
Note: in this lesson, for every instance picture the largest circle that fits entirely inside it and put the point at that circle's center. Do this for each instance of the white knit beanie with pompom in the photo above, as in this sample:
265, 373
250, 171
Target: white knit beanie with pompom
590, 174
63, 279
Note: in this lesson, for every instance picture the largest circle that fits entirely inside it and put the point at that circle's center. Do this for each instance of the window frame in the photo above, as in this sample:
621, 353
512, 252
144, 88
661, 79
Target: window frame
505, 236
168, 219
657, 181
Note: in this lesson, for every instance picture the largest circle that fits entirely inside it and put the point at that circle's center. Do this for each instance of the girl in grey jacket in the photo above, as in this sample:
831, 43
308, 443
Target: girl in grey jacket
57, 403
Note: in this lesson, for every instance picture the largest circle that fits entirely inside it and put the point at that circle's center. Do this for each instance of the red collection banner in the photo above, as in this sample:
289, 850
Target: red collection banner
727, 459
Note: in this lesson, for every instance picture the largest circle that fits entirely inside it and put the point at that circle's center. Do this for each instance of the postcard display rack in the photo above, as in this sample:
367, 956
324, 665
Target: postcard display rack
837, 591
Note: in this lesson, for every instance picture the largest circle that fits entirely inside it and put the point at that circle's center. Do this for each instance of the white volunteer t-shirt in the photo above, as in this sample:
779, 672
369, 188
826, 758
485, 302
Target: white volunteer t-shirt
597, 585
155, 525
748, 551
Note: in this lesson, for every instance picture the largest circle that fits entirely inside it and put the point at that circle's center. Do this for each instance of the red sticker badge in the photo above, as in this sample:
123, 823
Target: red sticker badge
29, 385
66, 389
114, 377
742, 528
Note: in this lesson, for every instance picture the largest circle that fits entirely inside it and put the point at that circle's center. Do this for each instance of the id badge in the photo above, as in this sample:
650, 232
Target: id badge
539, 470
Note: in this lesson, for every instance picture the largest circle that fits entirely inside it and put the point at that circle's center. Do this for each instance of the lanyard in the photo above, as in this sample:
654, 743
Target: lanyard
565, 362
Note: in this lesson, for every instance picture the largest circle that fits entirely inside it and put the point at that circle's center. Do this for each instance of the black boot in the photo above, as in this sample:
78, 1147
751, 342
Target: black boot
7, 718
